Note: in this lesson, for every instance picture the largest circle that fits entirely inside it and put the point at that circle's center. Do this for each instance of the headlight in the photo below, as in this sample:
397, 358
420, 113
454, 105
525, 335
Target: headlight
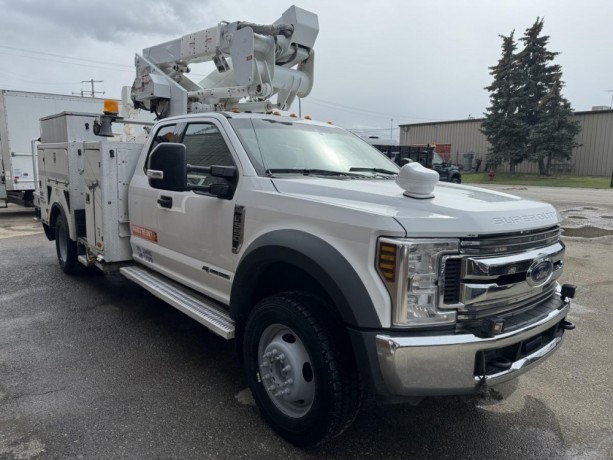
410, 269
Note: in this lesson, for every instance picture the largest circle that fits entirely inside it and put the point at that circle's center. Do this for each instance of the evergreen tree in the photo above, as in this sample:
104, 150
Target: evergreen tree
540, 99
503, 125
554, 136
528, 118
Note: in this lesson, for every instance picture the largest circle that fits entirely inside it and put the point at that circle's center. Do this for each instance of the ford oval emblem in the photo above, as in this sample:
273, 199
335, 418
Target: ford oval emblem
539, 272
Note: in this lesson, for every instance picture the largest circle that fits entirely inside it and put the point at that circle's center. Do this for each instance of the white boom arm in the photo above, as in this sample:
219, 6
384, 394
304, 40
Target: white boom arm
254, 63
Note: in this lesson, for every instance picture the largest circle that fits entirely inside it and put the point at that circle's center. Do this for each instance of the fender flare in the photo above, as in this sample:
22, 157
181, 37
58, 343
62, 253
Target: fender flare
61, 212
316, 257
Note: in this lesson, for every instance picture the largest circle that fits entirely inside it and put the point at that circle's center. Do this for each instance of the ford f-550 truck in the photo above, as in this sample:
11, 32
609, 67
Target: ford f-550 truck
334, 270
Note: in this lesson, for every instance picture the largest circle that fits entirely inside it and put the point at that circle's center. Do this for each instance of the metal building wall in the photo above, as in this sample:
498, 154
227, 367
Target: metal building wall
593, 156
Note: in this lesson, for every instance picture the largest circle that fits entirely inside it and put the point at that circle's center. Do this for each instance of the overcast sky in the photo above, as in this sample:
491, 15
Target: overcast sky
379, 63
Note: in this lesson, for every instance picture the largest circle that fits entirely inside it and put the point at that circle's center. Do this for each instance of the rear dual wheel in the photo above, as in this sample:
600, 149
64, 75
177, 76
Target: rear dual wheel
65, 248
302, 377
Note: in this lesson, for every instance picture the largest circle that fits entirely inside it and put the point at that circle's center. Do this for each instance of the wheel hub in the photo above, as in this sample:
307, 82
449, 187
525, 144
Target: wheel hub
286, 370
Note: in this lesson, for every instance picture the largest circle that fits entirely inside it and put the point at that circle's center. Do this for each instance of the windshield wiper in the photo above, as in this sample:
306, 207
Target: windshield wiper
309, 172
376, 170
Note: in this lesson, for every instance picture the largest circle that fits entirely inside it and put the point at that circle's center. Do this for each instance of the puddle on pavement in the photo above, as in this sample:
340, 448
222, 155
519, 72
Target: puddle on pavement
587, 232
598, 222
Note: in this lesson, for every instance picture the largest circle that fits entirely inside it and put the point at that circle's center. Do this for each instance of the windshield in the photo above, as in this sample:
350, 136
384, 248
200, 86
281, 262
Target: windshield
437, 159
284, 147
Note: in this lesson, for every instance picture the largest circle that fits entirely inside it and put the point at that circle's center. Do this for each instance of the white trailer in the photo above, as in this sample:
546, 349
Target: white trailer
20, 113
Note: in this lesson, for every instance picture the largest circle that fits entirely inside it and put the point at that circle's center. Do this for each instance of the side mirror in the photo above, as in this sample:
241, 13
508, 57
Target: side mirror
168, 167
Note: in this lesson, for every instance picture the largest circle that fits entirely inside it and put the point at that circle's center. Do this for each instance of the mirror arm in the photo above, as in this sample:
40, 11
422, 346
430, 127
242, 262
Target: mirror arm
200, 169
199, 188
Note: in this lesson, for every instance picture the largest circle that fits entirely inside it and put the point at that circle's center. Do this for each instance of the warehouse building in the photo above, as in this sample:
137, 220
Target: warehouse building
467, 146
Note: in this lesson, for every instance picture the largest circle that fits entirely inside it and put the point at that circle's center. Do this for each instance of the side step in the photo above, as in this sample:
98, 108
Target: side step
204, 310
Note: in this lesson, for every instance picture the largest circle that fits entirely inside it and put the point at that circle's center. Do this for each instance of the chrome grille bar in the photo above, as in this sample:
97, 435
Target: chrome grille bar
485, 268
509, 243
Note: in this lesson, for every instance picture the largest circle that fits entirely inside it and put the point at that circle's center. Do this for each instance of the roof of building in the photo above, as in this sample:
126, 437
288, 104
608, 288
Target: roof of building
472, 120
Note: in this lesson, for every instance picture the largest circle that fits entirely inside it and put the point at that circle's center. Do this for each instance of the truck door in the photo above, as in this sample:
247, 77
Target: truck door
194, 229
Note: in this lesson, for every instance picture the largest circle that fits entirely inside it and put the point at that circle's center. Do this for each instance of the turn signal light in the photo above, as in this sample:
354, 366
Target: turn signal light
387, 261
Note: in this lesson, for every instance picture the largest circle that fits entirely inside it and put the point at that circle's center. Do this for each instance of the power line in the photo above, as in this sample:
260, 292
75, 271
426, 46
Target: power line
356, 109
64, 62
371, 129
64, 56
40, 82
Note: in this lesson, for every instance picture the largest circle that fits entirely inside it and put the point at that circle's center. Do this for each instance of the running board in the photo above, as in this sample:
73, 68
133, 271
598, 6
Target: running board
204, 310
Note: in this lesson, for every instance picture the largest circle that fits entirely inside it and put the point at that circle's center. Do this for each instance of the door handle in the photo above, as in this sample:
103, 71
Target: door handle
165, 201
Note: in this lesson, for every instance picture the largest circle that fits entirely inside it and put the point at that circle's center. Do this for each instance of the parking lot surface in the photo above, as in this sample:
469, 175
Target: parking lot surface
95, 367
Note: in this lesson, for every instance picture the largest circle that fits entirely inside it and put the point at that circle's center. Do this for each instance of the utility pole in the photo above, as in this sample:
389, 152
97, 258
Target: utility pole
93, 91
610, 91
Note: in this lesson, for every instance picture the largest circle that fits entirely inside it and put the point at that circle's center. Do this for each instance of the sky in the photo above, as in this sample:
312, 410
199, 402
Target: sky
378, 63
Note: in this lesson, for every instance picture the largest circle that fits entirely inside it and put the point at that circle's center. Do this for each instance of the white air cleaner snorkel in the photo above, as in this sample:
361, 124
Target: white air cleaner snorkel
417, 181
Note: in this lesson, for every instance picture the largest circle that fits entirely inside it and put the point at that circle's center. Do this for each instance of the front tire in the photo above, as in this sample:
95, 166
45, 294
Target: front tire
302, 376
65, 248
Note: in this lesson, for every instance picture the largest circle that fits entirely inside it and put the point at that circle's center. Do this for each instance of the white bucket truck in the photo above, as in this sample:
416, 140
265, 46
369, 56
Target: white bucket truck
335, 271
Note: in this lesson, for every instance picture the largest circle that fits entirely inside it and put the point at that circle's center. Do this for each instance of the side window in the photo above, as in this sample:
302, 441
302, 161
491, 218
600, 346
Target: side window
164, 134
205, 147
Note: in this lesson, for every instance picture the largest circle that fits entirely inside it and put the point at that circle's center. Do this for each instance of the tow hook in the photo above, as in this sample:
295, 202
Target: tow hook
568, 291
567, 325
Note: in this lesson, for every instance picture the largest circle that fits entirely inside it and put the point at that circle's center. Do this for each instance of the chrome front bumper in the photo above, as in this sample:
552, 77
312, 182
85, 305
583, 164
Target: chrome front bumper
445, 364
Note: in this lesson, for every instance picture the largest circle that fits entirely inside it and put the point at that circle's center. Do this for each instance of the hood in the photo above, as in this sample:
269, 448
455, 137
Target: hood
455, 210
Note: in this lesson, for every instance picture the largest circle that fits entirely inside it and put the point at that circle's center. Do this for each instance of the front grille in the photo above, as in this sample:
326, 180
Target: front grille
490, 276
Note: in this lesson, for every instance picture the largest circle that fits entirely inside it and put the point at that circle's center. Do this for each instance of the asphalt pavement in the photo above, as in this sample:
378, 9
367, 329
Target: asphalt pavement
94, 367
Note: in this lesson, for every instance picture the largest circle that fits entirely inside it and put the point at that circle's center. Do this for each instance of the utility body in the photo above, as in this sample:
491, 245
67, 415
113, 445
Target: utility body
335, 271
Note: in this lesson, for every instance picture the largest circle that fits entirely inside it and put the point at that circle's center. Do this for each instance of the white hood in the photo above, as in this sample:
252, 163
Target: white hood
455, 210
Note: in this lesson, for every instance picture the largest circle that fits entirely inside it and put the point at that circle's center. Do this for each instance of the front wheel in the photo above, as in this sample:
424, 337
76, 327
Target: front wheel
303, 378
455, 180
